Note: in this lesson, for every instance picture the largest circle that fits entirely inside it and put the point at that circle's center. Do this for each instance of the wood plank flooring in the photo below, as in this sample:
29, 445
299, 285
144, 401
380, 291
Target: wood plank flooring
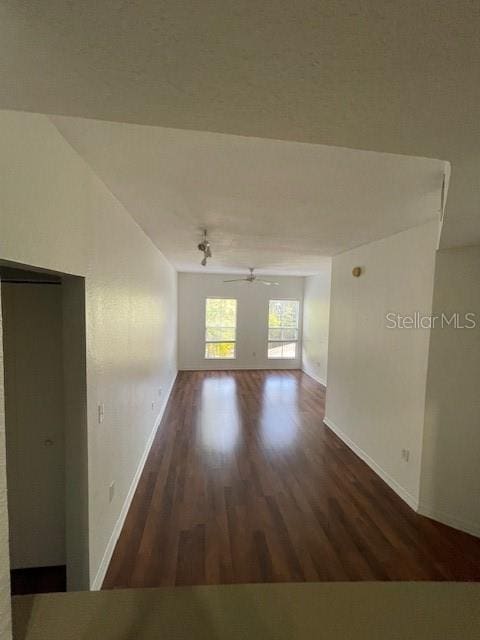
244, 483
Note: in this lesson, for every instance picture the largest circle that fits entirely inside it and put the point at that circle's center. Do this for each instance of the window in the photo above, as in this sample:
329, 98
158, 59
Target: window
283, 328
220, 327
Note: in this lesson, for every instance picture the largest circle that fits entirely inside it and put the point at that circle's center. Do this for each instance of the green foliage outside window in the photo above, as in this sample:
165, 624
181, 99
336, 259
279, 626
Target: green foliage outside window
220, 327
283, 328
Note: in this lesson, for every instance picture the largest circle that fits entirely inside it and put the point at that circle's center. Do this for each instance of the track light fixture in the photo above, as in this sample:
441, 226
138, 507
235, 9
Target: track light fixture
204, 246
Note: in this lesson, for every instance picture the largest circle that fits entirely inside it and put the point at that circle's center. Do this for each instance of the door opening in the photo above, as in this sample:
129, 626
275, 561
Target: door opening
43, 321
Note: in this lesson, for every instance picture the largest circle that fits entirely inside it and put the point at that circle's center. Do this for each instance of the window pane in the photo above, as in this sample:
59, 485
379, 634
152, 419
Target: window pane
220, 327
290, 313
274, 334
221, 312
283, 334
220, 350
289, 349
274, 315
282, 349
289, 334
275, 350
220, 334
283, 328
283, 313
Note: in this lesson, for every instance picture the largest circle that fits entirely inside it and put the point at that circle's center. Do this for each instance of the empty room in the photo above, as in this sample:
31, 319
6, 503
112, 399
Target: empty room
240, 307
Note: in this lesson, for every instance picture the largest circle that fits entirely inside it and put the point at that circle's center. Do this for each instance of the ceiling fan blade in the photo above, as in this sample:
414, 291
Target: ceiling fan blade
237, 280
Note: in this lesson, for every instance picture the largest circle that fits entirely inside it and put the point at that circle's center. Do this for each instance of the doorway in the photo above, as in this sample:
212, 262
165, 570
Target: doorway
43, 319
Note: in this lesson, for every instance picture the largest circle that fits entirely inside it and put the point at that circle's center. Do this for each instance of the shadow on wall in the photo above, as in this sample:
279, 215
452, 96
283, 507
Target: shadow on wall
450, 480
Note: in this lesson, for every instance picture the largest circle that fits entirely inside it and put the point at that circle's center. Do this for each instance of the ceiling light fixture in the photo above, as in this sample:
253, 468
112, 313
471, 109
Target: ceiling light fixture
204, 246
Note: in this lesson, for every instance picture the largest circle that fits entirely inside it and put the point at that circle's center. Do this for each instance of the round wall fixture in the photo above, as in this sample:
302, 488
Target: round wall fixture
356, 272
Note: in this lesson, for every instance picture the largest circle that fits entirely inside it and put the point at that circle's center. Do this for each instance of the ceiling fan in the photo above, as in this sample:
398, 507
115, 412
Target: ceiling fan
252, 279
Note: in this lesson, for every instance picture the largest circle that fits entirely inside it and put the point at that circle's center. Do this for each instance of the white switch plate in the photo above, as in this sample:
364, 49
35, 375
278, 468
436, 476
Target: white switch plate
101, 413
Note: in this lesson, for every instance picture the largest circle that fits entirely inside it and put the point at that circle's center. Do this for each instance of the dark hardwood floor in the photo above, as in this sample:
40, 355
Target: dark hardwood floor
244, 483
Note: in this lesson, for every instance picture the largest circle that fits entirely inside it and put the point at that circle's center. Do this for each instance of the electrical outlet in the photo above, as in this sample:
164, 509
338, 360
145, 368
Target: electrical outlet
101, 413
153, 405
111, 491
406, 454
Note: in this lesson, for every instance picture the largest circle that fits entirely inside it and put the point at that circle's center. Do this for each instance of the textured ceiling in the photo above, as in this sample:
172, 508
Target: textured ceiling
399, 77
282, 207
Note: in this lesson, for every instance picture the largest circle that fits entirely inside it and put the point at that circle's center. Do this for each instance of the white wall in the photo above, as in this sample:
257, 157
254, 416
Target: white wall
76, 432
34, 403
5, 608
376, 375
450, 489
56, 214
252, 319
316, 316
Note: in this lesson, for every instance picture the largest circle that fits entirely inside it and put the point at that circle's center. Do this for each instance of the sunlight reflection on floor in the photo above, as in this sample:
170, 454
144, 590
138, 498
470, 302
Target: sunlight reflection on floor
219, 420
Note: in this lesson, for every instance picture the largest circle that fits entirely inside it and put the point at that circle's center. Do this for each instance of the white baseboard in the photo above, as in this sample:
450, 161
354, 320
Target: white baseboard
445, 518
392, 483
107, 556
315, 377
422, 508
266, 367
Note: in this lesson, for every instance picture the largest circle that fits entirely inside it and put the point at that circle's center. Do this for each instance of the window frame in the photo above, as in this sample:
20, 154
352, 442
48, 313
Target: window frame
281, 342
205, 341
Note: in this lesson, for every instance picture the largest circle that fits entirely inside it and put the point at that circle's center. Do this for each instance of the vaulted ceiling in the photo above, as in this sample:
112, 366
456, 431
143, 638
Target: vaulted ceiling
282, 207
396, 77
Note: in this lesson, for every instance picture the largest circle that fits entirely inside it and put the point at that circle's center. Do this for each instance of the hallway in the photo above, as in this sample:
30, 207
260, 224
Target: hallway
245, 484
